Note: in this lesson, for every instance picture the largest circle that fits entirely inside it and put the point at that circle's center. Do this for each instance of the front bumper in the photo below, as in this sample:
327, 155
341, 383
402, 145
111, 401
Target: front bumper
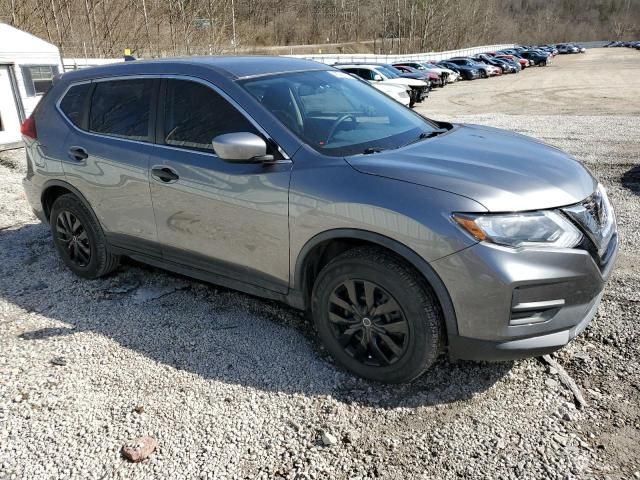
465, 348
520, 303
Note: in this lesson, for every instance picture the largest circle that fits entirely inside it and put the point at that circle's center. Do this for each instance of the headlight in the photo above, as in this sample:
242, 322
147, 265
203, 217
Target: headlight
536, 229
403, 94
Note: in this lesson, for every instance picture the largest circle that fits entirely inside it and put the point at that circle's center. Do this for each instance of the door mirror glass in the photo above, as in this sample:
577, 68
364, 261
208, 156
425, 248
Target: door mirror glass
377, 77
241, 147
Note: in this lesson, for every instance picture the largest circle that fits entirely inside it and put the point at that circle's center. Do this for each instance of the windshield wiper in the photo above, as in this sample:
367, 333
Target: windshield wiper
370, 150
425, 135
422, 136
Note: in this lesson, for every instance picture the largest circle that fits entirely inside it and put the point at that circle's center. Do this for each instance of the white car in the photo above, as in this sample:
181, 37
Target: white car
399, 93
432, 68
452, 76
375, 74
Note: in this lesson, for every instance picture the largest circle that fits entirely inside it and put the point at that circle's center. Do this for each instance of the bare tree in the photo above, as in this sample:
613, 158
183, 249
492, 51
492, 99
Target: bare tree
173, 27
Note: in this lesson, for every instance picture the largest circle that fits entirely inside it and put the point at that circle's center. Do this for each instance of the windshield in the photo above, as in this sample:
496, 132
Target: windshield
337, 114
388, 72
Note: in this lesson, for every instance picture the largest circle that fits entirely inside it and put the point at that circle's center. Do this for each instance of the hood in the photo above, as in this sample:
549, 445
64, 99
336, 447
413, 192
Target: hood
465, 67
406, 81
416, 75
503, 171
389, 87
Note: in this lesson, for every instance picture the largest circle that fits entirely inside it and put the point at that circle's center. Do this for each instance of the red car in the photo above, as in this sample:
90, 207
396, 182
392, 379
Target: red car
523, 62
435, 80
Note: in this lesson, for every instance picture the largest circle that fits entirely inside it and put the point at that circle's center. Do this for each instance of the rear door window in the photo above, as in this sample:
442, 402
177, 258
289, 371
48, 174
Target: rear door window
122, 108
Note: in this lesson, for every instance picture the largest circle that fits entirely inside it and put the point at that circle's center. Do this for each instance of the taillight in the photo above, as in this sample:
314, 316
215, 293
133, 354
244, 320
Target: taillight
28, 128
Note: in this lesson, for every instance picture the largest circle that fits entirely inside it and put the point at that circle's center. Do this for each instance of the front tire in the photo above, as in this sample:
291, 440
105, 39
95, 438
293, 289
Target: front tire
79, 239
377, 316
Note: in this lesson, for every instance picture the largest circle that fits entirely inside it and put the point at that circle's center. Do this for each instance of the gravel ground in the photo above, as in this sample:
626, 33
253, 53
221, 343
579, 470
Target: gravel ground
235, 387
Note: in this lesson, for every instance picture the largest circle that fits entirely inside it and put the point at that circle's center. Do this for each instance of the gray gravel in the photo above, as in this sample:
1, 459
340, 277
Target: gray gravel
235, 387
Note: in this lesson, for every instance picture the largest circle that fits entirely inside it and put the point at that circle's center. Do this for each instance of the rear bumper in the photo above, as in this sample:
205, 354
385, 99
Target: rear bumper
33, 197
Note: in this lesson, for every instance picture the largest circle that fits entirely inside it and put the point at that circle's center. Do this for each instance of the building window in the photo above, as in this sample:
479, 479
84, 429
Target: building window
38, 78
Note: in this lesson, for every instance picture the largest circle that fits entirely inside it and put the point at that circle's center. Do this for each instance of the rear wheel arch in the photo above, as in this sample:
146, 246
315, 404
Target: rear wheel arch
53, 189
319, 250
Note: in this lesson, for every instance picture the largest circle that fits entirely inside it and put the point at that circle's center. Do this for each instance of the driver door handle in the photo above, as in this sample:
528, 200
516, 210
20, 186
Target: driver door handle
164, 174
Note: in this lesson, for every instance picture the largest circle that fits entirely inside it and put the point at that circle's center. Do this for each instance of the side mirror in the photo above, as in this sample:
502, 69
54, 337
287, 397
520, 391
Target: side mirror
241, 147
377, 77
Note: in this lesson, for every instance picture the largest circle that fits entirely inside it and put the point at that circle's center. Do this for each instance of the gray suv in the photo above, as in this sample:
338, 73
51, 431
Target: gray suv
404, 237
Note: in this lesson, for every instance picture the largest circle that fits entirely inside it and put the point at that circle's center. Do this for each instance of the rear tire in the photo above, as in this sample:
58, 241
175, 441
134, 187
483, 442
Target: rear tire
377, 316
79, 239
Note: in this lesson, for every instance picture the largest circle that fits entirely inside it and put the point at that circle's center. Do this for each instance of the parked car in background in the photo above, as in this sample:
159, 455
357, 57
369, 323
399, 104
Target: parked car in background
466, 72
377, 73
538, 57
503, 64
567, 48
451, 75
549, 48
432, 78
486, 71
523, 63
439, 71
518, 54
399, 93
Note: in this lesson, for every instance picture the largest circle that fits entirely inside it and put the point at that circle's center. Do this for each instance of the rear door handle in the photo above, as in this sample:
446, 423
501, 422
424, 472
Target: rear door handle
78, 154
164, 174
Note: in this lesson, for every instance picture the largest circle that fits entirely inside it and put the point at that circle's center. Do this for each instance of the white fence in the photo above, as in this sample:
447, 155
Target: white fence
77, 63
419, 57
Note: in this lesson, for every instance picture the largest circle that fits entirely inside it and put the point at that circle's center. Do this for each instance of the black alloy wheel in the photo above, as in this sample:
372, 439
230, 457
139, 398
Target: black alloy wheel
79, 239
73, 235
368, 323
377, 316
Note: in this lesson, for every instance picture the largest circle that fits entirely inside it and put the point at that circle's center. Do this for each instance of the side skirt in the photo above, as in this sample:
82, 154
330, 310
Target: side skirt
293, 298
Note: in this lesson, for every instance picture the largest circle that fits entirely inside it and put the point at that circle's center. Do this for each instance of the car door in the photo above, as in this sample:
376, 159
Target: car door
227, 218
105, 155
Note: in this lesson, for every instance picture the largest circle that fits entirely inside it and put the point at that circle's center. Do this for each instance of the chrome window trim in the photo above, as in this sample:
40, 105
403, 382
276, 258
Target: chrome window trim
286, 159
272, 74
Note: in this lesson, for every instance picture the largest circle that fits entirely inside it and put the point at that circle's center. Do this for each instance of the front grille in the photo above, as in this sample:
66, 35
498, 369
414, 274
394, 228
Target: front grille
595, 217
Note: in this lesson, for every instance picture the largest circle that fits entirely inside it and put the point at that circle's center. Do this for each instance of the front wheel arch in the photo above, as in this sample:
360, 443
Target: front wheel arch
303, 276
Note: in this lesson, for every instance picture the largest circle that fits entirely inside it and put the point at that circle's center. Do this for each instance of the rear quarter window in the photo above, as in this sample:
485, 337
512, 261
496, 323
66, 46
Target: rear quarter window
72, 104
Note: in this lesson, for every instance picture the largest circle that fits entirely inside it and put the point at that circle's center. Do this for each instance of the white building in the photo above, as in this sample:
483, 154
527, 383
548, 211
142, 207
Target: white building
27, 67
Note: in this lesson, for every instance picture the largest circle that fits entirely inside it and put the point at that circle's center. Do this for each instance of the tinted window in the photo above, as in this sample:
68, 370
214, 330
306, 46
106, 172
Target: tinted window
121, 108
73, 103
365, 73
195, 114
